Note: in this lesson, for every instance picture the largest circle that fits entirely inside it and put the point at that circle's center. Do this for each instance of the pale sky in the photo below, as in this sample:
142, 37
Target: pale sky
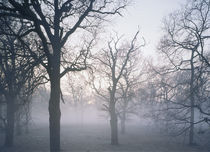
148, 16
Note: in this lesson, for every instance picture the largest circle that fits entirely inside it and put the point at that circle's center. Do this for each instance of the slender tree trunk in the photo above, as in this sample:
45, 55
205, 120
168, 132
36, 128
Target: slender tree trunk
114, 126
54, 105
191, 136
122, 122
9, 138
192, 101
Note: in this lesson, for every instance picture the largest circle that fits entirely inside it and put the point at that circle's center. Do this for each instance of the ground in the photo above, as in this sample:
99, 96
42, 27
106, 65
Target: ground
96, 138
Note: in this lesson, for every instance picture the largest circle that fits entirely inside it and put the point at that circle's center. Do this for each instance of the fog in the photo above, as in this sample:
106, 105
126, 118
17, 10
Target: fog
104, 76
86, 128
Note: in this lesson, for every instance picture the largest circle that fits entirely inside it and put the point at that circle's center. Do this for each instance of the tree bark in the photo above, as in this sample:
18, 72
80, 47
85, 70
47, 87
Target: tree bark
9, 138
54, 116
54, 105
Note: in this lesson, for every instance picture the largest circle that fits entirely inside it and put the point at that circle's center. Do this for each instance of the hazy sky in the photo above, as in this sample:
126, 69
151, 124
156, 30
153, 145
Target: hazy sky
147, 15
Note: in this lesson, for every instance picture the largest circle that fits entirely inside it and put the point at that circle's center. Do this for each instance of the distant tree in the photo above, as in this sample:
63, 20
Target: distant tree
77, 88
112, 63
54, 22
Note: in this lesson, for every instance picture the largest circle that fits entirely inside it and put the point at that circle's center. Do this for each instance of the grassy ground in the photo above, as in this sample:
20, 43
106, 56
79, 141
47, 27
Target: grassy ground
96, 138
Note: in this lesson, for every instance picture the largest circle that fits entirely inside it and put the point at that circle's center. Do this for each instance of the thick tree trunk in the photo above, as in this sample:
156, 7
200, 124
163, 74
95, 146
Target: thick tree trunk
54, 109
114, 125
9, 138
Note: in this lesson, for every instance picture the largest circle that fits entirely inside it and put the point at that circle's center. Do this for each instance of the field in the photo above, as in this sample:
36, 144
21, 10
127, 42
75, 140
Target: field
89, 131
96, 138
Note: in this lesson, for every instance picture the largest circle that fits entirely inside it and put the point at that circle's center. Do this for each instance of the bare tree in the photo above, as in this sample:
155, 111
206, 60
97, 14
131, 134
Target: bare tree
185, 47
17, 69
24, 100
54, 27
112, 63
128, 86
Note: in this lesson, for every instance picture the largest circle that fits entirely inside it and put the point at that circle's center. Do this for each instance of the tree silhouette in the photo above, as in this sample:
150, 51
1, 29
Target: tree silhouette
54, 22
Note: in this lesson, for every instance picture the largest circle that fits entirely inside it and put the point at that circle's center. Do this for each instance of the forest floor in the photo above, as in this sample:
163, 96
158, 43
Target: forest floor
96, 138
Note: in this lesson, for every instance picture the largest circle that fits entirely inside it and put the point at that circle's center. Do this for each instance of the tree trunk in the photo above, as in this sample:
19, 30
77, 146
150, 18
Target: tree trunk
191, 136
122, 122
192, 101
9, 138
114, 126
54, 110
